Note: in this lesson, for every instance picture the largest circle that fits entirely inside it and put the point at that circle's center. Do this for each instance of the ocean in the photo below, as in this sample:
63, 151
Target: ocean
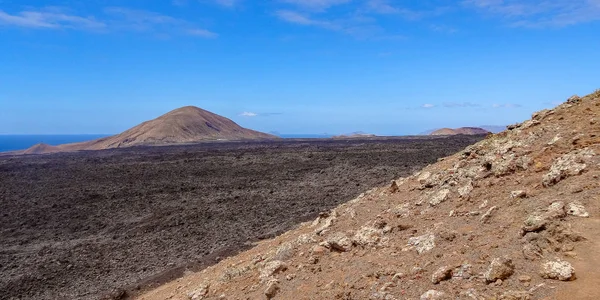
20, 142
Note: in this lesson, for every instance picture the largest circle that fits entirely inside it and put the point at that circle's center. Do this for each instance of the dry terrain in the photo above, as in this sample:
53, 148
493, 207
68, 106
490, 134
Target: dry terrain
88, 224
515, 216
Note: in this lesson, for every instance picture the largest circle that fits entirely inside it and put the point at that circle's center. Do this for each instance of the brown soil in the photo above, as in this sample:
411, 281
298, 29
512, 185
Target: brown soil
82, 225
481, 224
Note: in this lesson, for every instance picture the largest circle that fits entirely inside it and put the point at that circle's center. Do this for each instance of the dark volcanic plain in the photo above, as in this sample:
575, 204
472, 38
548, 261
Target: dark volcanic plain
106, 224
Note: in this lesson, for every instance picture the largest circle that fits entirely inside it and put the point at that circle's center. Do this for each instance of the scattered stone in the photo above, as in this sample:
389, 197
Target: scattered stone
488, 215
433, 295
539, 219
574, 99
441, 274
423, 177
272, 268
440, 197
577, 209
338, 242
272, 288
524, 278
319, 250
464, 191
558, 270
199, 293
500, 268
401, 211
516, 295
463, 272
368, 236
398, 276
422, 243
570, 164
518, 194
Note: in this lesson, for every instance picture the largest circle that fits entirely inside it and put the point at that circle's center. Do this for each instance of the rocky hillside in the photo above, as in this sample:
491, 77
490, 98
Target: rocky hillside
516, 216
184, 125
462, 130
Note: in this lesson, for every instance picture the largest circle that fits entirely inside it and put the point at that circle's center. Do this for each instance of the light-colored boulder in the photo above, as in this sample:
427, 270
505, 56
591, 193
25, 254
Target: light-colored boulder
439, 197
422, 243
558, 269
570, 164
577, 209
500, 268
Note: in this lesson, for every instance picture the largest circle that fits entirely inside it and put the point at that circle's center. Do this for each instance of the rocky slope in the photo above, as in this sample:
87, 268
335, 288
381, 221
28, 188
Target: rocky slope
184, 125
516, 216
462, 130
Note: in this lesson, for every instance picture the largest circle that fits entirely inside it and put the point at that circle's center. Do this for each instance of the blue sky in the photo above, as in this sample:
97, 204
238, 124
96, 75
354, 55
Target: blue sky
291, 66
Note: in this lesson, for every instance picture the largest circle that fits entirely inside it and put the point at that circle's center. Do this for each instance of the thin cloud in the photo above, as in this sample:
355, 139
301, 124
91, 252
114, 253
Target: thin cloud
303, 19
49, 18
506, 105
460, 104
318, 5
539, 13
428, 105
202, 33
113, 19
253, 114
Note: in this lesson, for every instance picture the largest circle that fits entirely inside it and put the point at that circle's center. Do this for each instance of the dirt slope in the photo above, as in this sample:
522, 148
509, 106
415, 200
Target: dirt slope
515, 216
184, 125
462, 130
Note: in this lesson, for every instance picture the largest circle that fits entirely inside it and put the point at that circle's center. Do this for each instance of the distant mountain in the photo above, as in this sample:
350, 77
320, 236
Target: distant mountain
184, 125
462, 130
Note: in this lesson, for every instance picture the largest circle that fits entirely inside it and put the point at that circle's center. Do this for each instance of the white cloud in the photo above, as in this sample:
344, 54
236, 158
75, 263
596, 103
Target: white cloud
428, 105
248, 114
51, 18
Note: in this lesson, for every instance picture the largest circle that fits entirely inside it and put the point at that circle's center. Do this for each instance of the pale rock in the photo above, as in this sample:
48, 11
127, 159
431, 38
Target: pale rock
369, 236
439, 197
570, 164
500, 268
465, 190
539, 219
199, 293
422, 243
559, 270
338, 242
423, 177
518, 194
433, 295
441, 274
577, 209
272, 268
488, 214
515, 295
272, 288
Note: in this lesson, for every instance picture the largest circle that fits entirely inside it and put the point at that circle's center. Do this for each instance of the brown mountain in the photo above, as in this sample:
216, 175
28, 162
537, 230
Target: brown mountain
515, 216
462, 130
184, 125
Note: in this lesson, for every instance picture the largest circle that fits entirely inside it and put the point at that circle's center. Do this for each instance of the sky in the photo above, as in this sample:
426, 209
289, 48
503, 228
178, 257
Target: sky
292, 66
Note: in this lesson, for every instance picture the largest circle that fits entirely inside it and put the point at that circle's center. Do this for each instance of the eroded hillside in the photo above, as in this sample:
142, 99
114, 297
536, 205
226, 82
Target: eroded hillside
516, 216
